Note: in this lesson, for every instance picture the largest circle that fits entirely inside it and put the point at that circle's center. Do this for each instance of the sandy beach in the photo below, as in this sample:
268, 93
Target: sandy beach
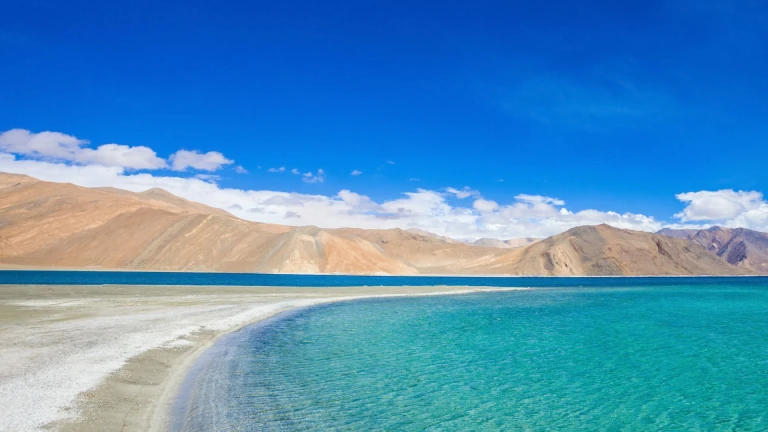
111, 358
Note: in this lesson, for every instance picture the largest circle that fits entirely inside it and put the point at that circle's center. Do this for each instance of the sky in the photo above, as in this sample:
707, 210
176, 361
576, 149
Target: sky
485, 119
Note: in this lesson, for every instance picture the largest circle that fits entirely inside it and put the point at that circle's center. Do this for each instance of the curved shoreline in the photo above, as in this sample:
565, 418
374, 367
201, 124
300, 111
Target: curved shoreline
163, 419
101, 358
163, 412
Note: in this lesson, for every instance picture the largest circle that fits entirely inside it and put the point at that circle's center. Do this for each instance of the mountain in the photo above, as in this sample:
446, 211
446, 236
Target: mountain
429, 253
740, 247
424, 233
605, 250
505, 244
677, 233
60, 225
162, 195
46, 224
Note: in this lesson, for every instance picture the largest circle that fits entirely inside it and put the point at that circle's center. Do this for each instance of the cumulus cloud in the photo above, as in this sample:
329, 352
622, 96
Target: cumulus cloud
717, 205
240, 170
295, 171
356, 172
485, 206
422, 208
57, 146
54, 145
361, 202
52, 156
276, 170
211, 161
725, 207
139, 157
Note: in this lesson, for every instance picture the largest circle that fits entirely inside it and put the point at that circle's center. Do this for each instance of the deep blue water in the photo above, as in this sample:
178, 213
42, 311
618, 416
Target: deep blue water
250, 279
613, 354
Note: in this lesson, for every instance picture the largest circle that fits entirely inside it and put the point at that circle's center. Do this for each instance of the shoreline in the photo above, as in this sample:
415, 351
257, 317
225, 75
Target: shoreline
7, 267
102, 358
163, 418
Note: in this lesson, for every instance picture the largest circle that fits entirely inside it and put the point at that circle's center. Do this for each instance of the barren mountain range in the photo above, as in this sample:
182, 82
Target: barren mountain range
741, 247
505, 244
60, 225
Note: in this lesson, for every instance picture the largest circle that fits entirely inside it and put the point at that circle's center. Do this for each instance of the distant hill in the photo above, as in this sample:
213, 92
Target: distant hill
677, 233
60, 225
505, 244
605, 250
740, 247
424, 233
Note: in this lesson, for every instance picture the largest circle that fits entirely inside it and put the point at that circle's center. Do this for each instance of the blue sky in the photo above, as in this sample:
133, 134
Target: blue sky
614, 106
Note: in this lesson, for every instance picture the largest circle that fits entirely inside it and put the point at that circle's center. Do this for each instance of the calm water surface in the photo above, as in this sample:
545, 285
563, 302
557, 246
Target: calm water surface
58, 277
649, 356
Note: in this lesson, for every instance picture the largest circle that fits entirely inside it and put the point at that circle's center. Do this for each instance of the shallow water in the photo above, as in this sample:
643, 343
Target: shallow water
675, 357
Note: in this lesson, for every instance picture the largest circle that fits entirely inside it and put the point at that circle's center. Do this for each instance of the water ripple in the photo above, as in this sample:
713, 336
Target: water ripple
649, 358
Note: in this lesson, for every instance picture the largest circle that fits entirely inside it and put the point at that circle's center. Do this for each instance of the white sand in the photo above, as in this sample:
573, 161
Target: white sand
57, 343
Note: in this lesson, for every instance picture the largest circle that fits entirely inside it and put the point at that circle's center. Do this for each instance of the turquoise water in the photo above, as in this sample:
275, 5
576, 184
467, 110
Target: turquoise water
674, 357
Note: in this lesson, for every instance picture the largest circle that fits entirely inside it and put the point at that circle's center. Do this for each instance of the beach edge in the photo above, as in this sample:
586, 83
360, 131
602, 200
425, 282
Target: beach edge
141, 395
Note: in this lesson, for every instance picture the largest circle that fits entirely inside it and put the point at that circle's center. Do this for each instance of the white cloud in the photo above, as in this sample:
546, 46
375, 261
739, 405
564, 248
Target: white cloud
424, 209
295, 171
356, 172
725, 207
717, 205
309, 177
360, 202
58, 157
240, 170
57, 146
54, 145
538, 199
276, 170
485, 206
208, 177
123, 156
462, 193
211, 161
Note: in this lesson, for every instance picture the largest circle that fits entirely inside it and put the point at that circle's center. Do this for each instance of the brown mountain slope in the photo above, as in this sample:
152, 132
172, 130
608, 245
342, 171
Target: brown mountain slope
163, 196
315, 250
54, 224
46, 224
60, 225
741, 247
678, 233
604, 250
430, 234
429, 253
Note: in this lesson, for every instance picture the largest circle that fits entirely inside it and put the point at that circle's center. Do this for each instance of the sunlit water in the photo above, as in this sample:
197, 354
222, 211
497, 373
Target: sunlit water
676, 357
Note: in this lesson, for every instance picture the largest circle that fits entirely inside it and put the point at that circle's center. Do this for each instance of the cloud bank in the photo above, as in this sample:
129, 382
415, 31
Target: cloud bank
459, 213
725, 207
